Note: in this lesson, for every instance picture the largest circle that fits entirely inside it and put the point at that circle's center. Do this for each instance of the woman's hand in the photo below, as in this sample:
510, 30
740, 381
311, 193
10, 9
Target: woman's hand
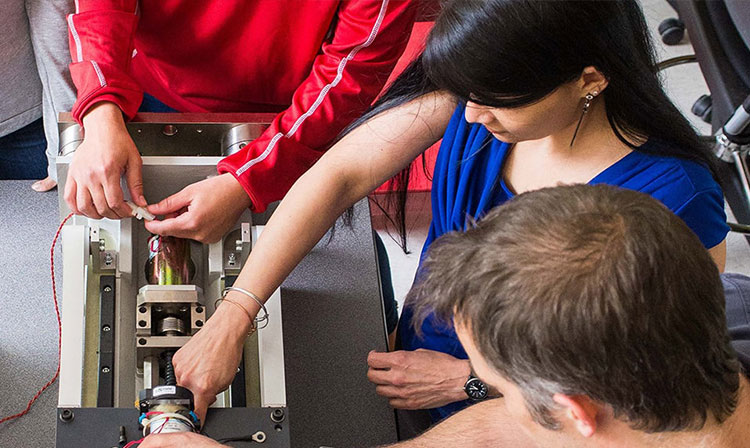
421, 379
208, 363
180, 440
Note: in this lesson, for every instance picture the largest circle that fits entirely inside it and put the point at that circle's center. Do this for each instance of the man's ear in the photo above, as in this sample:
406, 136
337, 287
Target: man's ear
580, 410
592, 80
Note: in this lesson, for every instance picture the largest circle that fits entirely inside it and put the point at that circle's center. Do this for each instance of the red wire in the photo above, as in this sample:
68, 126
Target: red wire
59, 328
133, 443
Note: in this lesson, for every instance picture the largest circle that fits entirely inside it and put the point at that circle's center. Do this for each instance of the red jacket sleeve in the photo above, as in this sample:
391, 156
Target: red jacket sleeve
345, 79
101, 35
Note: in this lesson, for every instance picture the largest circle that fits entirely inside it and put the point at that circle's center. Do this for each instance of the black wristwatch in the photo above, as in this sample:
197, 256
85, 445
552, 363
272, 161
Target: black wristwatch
476, 389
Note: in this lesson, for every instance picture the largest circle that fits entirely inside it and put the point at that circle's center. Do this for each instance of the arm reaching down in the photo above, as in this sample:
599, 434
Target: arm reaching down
355, 166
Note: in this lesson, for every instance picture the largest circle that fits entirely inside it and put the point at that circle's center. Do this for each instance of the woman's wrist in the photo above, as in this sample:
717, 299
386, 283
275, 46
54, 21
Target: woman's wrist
233, 320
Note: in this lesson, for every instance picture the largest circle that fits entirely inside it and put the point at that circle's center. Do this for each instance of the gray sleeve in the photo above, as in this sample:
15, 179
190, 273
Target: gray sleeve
737, 295
20, 89
49, 37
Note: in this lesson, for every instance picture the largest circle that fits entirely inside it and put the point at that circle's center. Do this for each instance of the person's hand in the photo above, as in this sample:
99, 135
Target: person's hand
421, 379
203, 211
179, 440
208, 362
93, 184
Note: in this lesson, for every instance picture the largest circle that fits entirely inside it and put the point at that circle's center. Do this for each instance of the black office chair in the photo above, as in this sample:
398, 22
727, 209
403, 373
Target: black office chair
720, 33
672, 30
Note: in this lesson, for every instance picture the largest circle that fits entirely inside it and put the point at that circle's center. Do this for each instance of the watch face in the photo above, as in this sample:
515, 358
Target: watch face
476, 389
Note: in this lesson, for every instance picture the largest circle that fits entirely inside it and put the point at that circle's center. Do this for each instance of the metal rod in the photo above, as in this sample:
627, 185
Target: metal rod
679, 60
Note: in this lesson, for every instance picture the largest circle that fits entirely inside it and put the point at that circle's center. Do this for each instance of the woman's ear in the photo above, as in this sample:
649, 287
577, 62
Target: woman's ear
592, 80
580, 410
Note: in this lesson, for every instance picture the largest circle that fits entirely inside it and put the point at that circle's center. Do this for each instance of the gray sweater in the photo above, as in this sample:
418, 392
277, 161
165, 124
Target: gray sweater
20, 87
34, 59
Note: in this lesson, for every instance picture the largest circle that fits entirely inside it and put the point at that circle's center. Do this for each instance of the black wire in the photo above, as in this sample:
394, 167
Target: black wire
237, 439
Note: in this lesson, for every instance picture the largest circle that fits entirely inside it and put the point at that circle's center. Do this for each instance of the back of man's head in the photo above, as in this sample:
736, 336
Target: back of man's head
596, 291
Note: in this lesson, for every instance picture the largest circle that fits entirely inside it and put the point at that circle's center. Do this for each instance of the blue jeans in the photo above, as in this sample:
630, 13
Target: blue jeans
22, 153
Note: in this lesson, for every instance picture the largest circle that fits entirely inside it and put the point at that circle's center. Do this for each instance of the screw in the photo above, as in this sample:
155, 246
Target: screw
198, 323
169, 130
141, 323
107, 289
232, 258
159, 309
106, 328
277, 415
101, 245
108, 259
199, 309
142, 341
142, 309
183, 309
66, 415
105, 369
242, 145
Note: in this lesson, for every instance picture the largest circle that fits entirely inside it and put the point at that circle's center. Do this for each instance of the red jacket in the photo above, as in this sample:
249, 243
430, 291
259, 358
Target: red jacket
243, 56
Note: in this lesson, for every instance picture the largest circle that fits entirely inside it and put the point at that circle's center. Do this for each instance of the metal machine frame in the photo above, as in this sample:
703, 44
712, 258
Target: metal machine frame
110, 345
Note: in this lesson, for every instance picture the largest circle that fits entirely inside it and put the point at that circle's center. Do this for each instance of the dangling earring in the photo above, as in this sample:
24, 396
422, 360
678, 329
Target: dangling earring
589, 97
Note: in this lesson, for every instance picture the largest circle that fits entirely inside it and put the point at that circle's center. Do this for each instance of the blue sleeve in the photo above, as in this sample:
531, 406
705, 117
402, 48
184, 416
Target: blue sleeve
704, 214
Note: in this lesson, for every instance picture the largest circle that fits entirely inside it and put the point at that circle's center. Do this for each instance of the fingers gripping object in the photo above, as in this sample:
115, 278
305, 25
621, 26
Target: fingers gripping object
140, 213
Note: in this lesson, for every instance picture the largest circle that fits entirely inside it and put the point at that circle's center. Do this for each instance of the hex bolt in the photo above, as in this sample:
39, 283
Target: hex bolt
107, 259
107, 289
67, 415
106, 328
105, 369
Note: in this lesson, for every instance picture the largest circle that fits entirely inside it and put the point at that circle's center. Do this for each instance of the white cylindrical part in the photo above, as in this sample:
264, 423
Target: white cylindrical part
167, 425
738, 123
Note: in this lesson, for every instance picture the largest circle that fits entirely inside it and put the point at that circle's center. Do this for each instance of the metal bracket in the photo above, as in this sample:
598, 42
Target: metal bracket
105, 397
237, 248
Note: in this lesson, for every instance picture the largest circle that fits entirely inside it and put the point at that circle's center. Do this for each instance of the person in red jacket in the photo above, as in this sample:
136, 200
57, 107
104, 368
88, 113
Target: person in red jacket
320, 63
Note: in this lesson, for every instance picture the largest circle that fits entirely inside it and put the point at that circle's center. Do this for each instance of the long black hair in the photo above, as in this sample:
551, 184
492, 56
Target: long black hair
510, 53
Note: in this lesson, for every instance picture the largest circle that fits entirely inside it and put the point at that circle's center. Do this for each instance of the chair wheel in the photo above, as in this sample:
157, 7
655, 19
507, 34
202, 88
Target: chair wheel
672, 31
702, 108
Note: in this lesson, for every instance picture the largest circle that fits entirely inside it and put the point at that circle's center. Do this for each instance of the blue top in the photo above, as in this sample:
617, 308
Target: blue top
467, 182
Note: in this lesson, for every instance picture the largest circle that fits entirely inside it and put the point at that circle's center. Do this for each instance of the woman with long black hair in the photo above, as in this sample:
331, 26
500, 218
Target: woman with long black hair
525, 95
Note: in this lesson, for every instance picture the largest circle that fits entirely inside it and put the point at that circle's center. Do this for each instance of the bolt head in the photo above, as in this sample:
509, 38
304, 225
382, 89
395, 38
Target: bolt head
105, 369
106, 328
107, 289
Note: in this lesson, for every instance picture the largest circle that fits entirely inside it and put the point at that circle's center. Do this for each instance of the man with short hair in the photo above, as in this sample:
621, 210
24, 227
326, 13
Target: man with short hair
599, 316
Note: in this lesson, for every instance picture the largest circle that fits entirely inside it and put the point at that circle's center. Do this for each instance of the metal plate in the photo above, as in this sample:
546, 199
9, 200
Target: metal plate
100, 427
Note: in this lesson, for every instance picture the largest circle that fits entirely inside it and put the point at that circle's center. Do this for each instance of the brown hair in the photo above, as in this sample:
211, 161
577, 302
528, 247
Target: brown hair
590, 290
